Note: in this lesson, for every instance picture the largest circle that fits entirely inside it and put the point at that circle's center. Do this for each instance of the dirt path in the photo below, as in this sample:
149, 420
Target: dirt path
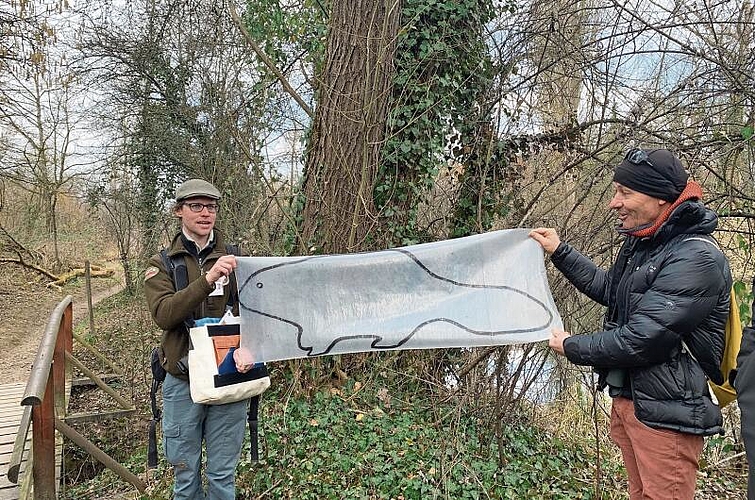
26, 307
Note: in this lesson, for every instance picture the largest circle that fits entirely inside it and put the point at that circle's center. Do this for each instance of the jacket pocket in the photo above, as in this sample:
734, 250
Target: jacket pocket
171, 441
663, 382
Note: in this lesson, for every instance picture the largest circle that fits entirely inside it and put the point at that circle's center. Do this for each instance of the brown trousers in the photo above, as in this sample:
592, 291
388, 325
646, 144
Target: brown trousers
661, 464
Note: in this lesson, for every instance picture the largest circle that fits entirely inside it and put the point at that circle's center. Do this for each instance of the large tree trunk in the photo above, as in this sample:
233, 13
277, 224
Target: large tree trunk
349, 125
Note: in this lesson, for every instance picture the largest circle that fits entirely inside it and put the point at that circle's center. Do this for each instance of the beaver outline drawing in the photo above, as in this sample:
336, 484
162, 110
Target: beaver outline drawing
414, 278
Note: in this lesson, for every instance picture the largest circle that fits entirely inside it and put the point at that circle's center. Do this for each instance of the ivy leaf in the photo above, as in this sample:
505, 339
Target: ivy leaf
742, 243
747, 133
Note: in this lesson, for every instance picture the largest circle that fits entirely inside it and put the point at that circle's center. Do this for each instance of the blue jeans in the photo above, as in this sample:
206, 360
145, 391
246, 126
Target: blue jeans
185, 425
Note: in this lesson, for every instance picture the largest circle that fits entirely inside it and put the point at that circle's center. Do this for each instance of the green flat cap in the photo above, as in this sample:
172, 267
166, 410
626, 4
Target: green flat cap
194, 188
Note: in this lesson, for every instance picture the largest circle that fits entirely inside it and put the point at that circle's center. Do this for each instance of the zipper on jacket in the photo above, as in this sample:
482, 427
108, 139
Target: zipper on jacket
624, 288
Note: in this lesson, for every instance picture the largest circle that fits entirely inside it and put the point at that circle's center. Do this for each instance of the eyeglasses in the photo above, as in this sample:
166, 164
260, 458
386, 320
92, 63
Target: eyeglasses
197, 207
638, 156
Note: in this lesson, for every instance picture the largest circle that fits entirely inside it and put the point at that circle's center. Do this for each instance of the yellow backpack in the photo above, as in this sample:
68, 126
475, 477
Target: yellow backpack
725, 393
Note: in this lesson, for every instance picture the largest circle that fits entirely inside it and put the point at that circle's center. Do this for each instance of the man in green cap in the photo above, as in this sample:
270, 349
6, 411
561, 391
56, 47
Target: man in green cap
209, 280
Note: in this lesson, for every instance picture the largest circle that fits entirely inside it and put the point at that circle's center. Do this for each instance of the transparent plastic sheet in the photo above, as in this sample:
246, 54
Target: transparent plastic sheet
486, 289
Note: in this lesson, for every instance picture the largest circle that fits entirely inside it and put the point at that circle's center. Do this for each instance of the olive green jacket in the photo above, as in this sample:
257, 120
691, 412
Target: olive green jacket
171, 309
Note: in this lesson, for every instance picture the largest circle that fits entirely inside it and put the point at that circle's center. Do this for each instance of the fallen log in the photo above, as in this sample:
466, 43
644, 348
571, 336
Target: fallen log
30, 266
95, 272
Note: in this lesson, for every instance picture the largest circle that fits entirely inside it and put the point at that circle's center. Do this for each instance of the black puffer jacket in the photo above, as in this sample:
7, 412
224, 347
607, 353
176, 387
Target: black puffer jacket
662, 290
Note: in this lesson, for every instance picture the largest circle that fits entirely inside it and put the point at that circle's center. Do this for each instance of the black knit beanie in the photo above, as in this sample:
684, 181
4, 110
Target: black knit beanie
654, 172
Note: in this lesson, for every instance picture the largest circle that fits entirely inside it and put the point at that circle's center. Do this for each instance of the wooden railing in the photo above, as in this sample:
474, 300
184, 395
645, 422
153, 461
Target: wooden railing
45, 409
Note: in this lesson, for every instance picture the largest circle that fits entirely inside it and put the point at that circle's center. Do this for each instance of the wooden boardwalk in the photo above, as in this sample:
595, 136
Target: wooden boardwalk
10, 418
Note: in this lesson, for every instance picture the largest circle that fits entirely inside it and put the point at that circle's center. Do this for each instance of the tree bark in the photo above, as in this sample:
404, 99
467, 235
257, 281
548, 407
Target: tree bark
349, 125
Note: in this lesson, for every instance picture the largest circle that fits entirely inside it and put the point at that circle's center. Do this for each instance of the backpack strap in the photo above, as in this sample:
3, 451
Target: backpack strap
710, 240
167, 263
158, 375
176, 268
251, 418
688, 351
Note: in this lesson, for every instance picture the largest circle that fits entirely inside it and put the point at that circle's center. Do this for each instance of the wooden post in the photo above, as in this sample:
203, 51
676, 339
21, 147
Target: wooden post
67, 331
60, 369
43, 448
45, 392
88, 275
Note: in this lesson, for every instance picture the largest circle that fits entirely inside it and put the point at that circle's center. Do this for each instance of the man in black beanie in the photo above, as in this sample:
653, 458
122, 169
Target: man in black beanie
667, 298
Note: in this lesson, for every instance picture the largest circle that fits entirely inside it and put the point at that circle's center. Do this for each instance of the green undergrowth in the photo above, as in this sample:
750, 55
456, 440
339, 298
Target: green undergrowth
324, 449
372, 437
347, 444
378, 438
